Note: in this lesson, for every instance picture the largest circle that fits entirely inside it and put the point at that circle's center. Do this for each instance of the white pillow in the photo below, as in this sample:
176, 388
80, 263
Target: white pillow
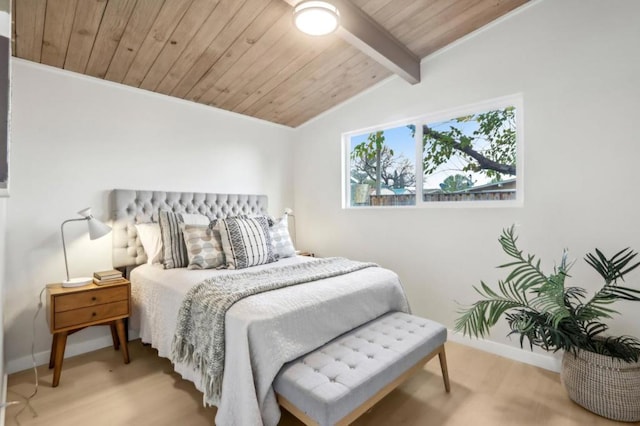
280, 239
149, 234
195, 219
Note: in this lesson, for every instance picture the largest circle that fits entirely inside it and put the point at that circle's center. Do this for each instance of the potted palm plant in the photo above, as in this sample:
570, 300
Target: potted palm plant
599, 372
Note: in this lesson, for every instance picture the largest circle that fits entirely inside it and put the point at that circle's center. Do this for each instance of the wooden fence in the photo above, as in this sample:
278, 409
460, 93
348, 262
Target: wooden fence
410, 199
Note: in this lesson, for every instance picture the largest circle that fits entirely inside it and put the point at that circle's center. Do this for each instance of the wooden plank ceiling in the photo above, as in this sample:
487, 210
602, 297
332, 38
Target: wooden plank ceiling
239, 55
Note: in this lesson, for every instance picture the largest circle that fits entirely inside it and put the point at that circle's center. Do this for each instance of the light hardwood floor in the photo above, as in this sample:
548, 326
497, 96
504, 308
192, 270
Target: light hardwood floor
98, 389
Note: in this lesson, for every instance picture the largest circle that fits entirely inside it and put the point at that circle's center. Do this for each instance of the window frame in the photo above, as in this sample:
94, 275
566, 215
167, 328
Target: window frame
515, 100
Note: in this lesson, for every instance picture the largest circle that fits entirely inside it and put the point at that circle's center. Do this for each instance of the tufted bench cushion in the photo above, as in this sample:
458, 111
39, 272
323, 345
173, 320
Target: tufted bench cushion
341, 380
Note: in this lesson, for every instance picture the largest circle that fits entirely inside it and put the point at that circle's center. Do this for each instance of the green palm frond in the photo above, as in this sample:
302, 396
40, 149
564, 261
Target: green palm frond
593, 330
625, 348
538, 329
550, 296
541, 310
526, 271
596, 308
625, 293
481, 316
612, 269
573, 297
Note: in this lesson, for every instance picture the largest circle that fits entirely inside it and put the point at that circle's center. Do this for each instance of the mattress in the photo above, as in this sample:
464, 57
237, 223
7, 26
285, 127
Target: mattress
263, 331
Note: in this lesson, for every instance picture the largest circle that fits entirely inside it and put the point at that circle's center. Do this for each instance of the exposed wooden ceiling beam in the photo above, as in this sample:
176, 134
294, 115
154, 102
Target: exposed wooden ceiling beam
361, 31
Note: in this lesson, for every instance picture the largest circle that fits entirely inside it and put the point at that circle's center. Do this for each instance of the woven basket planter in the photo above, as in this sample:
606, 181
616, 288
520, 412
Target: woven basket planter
603, 385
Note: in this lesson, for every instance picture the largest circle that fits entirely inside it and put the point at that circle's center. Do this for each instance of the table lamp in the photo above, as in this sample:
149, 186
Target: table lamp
289, 212
97, 229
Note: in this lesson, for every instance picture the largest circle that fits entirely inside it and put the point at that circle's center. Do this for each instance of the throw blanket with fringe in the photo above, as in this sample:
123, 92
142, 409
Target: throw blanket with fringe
199, 337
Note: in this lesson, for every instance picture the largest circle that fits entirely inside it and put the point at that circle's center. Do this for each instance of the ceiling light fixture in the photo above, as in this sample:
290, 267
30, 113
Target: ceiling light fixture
316, 18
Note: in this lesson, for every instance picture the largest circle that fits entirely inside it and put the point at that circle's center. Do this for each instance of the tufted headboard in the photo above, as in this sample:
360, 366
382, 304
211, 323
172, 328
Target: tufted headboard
129, 207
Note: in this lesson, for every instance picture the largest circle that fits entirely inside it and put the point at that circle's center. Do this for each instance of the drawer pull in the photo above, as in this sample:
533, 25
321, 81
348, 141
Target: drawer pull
93, 314
93, 299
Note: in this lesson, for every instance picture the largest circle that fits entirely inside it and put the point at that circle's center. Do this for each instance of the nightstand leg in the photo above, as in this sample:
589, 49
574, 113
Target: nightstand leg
114, 336
61, 342
52, 356
123, 340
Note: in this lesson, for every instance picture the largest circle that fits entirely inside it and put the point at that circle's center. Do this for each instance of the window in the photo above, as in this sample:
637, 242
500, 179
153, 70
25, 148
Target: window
469, 156
383, 171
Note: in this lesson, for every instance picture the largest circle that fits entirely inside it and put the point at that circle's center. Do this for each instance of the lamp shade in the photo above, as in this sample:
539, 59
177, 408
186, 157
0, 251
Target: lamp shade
316, 17
97, 229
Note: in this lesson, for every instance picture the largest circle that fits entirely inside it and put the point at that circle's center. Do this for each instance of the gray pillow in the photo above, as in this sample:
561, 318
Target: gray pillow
280, 238
204, 247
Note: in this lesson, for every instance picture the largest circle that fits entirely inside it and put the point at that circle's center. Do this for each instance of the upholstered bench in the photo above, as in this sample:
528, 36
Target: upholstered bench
341, 380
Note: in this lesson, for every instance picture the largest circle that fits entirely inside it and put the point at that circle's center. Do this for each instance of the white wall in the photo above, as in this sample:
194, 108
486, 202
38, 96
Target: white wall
576, 64
73, 140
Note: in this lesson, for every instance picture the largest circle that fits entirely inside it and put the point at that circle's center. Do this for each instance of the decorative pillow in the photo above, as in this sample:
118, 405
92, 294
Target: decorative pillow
280, 239
204, 247
246, 241
149, 234
174, 248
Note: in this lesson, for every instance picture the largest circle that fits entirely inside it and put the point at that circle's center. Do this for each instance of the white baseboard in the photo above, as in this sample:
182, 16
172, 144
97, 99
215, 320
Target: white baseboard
548, 361
72, 349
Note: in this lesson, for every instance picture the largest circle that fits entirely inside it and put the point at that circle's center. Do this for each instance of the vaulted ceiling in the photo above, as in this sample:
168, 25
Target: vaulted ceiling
238, 55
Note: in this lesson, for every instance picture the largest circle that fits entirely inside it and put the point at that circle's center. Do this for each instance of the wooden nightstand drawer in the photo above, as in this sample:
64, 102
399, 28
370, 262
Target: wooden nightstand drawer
67, 302
86, 316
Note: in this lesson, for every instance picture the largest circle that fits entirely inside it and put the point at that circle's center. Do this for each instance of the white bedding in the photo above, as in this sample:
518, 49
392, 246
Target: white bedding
263, 331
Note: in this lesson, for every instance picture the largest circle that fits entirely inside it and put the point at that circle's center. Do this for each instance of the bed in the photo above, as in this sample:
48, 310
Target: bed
262, 331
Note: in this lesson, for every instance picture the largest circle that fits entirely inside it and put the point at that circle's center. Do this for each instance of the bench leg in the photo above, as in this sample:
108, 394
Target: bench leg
443, 366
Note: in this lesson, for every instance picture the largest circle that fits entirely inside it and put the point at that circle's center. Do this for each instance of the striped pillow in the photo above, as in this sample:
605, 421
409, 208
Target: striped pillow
174, 248
246, 241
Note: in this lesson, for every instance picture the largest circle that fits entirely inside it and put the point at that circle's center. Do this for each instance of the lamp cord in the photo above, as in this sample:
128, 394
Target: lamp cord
27, 399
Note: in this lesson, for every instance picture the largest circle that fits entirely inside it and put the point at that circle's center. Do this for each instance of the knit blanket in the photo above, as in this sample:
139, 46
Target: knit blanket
199, 337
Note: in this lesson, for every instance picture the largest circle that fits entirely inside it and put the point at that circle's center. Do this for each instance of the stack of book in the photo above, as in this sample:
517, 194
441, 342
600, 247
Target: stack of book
107, 277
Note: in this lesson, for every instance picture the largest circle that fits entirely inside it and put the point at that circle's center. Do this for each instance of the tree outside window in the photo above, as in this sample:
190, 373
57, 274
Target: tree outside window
382, 168
470, 158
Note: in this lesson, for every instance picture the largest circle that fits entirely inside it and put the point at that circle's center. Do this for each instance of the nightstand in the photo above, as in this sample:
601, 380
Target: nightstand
307, 253
71, 309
